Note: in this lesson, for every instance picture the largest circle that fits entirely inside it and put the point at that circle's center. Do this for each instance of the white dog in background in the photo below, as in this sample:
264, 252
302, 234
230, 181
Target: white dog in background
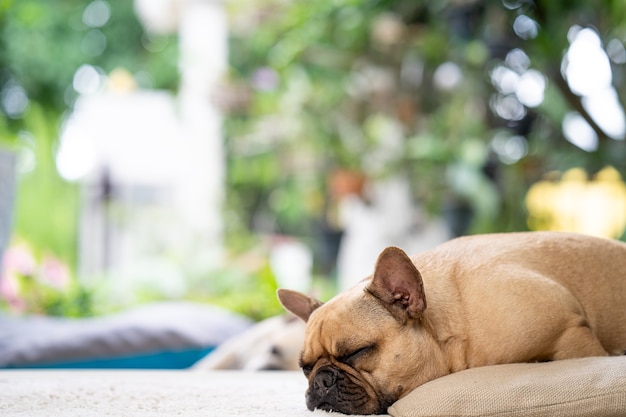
272, 344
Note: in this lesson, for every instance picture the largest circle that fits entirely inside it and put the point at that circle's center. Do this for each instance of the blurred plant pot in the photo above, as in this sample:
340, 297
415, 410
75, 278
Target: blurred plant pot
7, 197
457, 214
327, 243
341, 183
344, 182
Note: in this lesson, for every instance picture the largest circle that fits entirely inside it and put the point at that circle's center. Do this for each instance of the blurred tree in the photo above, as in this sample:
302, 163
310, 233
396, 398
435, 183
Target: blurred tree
45, 43
43, 46
470, 99
476, 91
379, 86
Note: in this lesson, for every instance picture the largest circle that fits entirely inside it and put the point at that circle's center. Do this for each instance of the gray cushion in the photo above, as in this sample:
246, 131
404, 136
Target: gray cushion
167, 326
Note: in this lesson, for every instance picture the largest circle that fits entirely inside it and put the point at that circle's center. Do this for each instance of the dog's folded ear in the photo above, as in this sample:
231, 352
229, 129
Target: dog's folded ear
297, 303
397, 283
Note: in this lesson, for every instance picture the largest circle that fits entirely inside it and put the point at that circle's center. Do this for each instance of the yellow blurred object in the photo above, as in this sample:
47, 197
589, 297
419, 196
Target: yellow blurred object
577, 204
121, 80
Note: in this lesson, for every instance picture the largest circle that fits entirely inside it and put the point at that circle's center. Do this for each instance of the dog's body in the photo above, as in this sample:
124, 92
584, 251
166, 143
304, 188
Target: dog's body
491, 299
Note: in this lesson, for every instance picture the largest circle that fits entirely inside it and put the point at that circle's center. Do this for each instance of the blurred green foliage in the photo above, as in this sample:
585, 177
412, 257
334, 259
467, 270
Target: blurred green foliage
320, 79
46, 209
251, 294
42, 45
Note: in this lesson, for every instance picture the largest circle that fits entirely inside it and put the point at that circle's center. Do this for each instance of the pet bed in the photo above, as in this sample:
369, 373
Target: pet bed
167, 335
587, 387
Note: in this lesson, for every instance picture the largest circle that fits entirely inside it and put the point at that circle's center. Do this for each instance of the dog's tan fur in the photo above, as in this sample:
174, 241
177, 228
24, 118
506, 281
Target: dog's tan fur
473, 301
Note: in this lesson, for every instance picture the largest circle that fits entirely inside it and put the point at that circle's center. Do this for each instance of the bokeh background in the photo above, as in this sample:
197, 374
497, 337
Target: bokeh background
215, 150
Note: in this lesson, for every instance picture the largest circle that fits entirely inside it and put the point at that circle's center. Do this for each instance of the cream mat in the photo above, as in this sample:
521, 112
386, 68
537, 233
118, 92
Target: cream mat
153, 393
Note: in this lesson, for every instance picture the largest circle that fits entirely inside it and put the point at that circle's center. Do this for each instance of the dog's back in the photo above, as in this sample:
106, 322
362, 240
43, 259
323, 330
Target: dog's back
536, 279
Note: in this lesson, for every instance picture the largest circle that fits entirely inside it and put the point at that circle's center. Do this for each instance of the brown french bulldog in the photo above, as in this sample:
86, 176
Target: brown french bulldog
473, 301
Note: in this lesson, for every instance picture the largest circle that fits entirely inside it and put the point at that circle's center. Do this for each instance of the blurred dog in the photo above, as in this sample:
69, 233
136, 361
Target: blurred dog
272, 344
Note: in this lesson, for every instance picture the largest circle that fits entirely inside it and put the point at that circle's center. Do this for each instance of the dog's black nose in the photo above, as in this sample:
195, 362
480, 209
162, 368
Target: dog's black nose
324, 379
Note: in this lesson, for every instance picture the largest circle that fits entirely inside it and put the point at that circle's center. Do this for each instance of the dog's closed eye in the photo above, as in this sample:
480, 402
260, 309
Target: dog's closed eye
351, 357
306, 370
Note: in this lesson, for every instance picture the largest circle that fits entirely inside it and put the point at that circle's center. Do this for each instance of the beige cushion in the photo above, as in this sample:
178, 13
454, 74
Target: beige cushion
589, 387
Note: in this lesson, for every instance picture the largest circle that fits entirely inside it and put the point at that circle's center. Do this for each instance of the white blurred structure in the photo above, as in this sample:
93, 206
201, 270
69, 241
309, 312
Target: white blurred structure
292, 263
152, 164
390, 218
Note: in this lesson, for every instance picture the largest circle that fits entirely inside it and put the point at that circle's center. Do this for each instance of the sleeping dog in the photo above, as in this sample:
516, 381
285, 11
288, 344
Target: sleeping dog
473, 301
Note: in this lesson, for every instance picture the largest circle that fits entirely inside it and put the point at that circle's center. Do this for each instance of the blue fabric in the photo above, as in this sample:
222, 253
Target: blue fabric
168, 335
180, 359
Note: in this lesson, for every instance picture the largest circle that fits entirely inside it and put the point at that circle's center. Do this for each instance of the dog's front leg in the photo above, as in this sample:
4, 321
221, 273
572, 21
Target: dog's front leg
578, 342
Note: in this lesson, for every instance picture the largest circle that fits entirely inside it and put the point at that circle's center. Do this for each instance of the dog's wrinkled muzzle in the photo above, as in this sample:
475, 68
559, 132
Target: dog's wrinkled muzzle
332, 390
322, 392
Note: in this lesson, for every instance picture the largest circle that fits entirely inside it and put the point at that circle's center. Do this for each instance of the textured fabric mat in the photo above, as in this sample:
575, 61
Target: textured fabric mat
153, 393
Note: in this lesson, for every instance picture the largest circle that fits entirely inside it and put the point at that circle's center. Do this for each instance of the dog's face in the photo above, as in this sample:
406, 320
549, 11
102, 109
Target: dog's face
276, 346
367, 347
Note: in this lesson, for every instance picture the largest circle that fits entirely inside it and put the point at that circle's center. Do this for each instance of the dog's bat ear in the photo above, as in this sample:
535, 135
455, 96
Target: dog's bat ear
297, 303
397, 283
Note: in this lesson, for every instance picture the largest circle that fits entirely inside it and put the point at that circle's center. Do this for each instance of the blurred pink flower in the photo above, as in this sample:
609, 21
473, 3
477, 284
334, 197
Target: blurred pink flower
9, 290
54, 272
30, 285
19, 258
